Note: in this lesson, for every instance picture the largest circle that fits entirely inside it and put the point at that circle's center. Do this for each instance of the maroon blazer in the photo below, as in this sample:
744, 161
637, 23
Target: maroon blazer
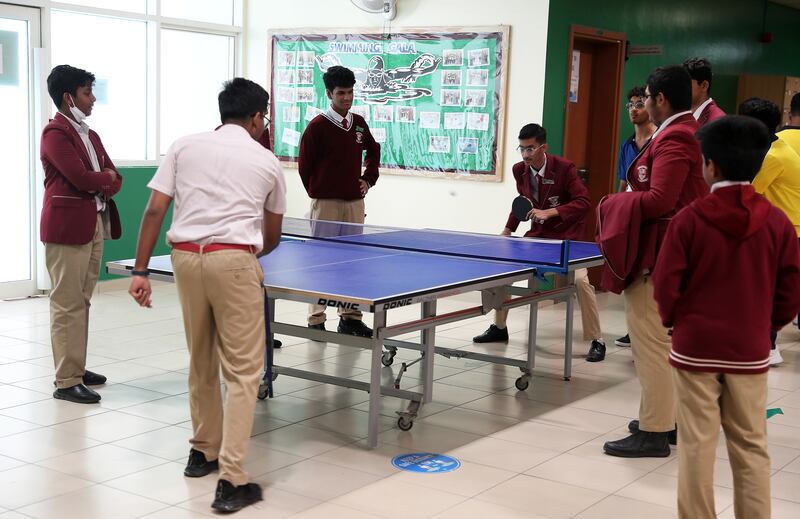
559, 188
669, 173
709, 113
69, 211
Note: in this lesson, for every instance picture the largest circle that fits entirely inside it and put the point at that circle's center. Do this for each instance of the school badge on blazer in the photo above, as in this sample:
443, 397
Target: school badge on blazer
553, 200
641, 172
359, 134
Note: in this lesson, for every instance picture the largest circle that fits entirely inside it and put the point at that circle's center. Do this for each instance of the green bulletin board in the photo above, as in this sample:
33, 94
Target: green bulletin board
434, 100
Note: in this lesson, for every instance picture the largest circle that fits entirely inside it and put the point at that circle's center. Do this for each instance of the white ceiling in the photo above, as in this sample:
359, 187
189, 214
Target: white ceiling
789, 3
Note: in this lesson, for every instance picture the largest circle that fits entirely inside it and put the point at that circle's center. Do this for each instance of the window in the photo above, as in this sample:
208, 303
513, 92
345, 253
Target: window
15, 262
174, 55
211, 11
131, 6
193, 67
115, 51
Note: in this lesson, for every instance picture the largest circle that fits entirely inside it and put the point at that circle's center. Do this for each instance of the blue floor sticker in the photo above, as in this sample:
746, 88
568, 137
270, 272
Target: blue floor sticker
426, 463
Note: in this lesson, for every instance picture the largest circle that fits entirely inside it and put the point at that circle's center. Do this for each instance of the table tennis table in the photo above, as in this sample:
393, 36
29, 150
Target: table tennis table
378, 269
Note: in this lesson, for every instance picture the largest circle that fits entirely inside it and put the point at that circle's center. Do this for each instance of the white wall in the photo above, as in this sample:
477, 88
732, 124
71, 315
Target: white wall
413, 201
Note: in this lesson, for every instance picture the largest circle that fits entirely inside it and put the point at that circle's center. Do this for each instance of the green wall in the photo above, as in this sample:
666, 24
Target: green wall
725, 32
131, 201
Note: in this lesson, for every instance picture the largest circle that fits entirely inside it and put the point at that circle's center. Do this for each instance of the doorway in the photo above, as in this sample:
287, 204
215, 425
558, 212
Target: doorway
592, 113
19, 36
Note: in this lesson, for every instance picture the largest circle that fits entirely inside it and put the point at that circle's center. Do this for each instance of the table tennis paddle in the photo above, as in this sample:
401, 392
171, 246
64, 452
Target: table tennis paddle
520, 208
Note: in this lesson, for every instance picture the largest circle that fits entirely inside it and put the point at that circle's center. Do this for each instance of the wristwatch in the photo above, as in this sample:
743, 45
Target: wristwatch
144, 273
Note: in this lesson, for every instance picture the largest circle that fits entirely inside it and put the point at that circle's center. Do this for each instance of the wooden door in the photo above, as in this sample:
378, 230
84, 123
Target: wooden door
593, 105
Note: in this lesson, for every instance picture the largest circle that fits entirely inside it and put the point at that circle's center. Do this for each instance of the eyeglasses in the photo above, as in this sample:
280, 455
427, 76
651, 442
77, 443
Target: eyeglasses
528, 149
638, 105
265, 117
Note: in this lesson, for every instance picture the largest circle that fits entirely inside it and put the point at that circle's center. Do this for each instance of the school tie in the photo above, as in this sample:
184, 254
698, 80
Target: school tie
535, 186
344, 123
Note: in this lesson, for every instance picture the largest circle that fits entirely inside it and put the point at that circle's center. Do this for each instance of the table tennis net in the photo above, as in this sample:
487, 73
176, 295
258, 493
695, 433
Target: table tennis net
542, 252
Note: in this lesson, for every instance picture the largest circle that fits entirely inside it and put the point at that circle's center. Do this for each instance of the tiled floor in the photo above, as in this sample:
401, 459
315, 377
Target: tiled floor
532, 454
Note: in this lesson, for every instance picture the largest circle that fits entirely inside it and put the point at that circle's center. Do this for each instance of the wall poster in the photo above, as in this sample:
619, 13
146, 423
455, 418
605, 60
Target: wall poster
433, 98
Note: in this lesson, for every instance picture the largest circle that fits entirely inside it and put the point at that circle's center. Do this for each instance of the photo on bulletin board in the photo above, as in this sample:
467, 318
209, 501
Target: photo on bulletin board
433, 98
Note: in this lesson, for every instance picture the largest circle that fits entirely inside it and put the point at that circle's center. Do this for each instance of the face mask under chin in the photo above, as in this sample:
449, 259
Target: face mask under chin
76, 112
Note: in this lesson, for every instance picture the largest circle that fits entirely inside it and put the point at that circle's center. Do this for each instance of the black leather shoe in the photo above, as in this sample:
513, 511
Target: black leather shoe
93, 379
641, 444
198, 466
597, 352
320, 326
354, 327
492, 334
79, 394
672, 435
624, 341
229, 498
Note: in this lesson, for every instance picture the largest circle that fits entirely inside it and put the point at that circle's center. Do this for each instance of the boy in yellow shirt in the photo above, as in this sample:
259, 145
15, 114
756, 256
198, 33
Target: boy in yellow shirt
779, 177
791, 132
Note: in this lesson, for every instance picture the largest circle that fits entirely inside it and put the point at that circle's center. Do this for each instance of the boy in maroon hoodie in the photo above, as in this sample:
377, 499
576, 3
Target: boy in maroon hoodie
729, 258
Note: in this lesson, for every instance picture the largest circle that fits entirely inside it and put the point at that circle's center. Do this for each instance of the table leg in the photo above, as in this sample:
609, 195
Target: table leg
428, 350
533, 320
379, 324
568, 330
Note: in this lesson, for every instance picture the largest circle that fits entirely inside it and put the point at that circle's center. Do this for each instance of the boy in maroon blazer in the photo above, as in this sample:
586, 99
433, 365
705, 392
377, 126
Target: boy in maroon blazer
704, 108
560, 203
729, 258
78, 213
665, 177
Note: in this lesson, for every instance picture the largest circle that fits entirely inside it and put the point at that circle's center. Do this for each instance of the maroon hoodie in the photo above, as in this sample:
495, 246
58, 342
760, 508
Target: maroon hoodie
728, 272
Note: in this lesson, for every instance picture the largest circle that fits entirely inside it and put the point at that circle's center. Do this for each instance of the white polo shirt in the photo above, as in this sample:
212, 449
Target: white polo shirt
221, 182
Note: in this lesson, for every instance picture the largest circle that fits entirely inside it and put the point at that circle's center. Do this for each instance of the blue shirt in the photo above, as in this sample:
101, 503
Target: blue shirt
627, 152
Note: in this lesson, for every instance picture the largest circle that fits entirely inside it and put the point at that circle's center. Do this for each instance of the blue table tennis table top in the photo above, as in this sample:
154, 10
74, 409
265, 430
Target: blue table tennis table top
373, 269
537, 252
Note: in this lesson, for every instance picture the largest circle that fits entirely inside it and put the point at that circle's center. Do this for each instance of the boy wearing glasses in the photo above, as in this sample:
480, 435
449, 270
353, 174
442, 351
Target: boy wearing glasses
643, 129
720, 365
665, 177
560, 203
230, 196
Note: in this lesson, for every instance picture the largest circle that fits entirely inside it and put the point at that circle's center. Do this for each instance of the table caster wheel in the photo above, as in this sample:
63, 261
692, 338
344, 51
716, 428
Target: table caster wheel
263, 391
404, 425
387, 359
521, 383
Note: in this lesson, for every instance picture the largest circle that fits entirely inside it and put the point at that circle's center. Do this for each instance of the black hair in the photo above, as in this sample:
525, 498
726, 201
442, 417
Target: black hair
699, 70
674, 82
533, 131
65, 78
637, 91
241, 98
338, 76
794, 105
762, 109
737, 145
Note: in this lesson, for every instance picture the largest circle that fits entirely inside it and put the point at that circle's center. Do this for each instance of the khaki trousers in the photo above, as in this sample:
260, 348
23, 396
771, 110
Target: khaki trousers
587, 302
333, 209
222, 299
650, 344
738, 403
73, 270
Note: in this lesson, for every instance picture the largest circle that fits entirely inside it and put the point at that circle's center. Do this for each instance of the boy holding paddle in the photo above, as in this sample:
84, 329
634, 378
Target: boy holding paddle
557, 203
